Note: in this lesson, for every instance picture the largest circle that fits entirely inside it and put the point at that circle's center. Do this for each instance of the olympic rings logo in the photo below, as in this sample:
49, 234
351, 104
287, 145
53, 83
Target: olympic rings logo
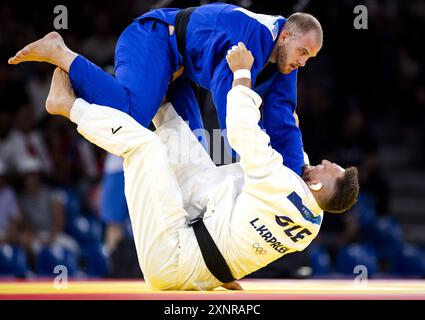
257, 249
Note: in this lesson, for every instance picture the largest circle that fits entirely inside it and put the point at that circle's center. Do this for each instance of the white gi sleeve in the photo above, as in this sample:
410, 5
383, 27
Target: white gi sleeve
258, 159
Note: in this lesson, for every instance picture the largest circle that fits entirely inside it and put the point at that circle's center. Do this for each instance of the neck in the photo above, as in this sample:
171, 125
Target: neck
318, 205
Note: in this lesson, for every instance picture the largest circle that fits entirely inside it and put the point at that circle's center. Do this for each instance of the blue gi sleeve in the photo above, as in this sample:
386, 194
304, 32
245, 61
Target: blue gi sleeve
279, 103
279, 121
221, 82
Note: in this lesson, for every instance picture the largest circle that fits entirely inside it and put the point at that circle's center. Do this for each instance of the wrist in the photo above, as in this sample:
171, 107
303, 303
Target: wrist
246, 82
242, 74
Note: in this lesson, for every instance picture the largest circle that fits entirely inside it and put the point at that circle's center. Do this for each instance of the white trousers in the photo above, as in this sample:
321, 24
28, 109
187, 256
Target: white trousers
155, 166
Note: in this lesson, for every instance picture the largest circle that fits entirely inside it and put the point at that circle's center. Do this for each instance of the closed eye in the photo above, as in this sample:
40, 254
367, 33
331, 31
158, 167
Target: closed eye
303, 51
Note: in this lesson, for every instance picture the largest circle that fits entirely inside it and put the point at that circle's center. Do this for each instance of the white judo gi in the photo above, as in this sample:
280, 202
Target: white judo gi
256, 210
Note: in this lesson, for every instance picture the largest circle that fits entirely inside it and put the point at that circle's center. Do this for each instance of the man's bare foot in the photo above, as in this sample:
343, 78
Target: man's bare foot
61, 96
51, 48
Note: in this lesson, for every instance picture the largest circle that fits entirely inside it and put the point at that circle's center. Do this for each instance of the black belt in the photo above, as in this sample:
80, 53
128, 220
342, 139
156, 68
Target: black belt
180, 26
212, 256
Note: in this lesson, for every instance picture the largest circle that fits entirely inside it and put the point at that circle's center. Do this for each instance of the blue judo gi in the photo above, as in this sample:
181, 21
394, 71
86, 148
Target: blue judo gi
146, 56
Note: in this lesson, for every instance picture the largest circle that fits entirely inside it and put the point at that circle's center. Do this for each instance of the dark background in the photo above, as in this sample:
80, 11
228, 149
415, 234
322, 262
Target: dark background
360, 102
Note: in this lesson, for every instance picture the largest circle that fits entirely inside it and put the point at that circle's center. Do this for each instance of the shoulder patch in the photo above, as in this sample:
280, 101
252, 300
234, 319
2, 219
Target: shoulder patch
270, 22
305, 212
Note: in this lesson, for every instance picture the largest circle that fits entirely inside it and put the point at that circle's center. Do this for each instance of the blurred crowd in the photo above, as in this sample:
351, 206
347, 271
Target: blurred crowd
362, 83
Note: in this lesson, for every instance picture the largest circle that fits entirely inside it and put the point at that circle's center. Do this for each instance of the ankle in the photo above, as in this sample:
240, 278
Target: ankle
66, 59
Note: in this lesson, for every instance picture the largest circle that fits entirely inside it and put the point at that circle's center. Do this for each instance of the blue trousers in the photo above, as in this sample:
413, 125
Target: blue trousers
146, 57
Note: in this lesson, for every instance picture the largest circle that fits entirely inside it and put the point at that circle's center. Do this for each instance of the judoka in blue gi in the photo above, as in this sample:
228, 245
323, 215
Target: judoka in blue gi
153, 60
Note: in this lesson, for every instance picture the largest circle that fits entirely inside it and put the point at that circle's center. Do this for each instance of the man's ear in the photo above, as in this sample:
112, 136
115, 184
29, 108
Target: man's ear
315, 186
283, 35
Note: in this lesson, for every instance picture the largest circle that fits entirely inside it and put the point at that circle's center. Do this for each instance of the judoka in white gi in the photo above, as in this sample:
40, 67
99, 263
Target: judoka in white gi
256, 211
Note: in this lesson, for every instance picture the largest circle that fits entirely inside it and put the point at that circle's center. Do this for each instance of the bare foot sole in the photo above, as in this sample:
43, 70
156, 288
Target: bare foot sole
61, 96
43, 50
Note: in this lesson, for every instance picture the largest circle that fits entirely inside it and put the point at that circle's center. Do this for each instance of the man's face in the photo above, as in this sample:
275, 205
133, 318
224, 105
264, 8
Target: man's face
326, 173
295, 50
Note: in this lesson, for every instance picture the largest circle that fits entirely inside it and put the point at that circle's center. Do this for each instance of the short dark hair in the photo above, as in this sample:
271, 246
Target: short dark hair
303, 23
346, 192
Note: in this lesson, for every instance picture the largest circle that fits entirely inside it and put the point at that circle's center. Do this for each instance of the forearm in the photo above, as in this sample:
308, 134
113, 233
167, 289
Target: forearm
258, 159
